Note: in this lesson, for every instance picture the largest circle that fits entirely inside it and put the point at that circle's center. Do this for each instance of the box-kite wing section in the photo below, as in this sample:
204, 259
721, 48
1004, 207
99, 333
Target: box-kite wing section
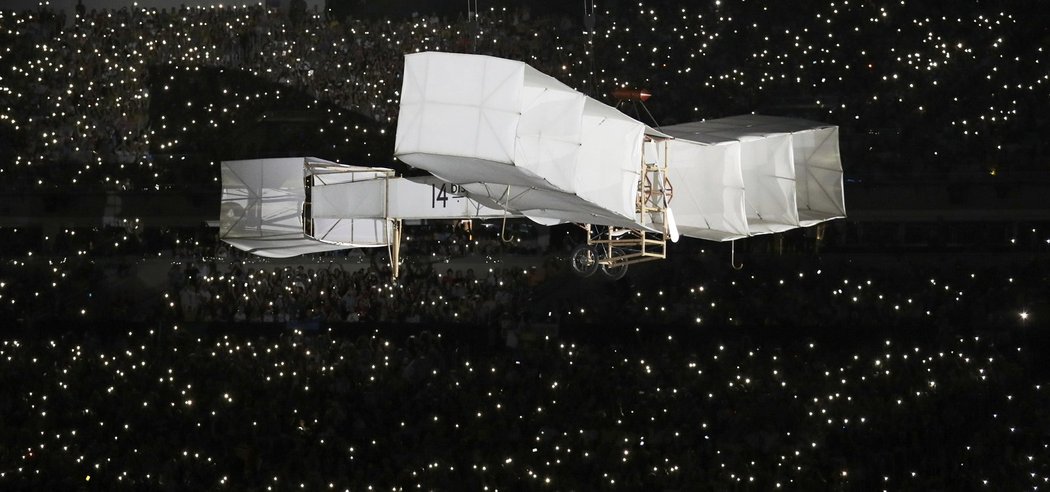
519, 139
266, 207
791, 169
516, 139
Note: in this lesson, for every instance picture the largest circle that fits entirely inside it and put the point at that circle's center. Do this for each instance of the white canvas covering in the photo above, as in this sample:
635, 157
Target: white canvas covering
424, 197
350, 212
292, 206
263, 203
519, 140
708, 198
769, 181
510, 133
544, 206
427, 197
362, 198
791, 167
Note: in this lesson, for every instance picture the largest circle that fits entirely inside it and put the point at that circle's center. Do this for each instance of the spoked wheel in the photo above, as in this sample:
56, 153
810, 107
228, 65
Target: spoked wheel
584, 260
613, 272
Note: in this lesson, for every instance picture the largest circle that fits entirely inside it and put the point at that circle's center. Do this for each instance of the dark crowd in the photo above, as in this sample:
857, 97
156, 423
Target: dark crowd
797, 371
860, 356
173, 408
115, 98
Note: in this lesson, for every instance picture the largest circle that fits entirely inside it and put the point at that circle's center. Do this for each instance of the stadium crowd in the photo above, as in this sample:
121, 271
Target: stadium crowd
799, 371
87, 103
167, 407
67, 275
450, 274
803, 371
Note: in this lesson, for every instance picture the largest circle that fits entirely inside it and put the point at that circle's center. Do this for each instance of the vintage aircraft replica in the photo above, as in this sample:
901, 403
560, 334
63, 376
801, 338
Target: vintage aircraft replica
502, 140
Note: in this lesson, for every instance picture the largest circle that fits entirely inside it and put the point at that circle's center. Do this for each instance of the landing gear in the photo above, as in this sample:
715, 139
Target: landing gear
584, 260
614, 272
588, 259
